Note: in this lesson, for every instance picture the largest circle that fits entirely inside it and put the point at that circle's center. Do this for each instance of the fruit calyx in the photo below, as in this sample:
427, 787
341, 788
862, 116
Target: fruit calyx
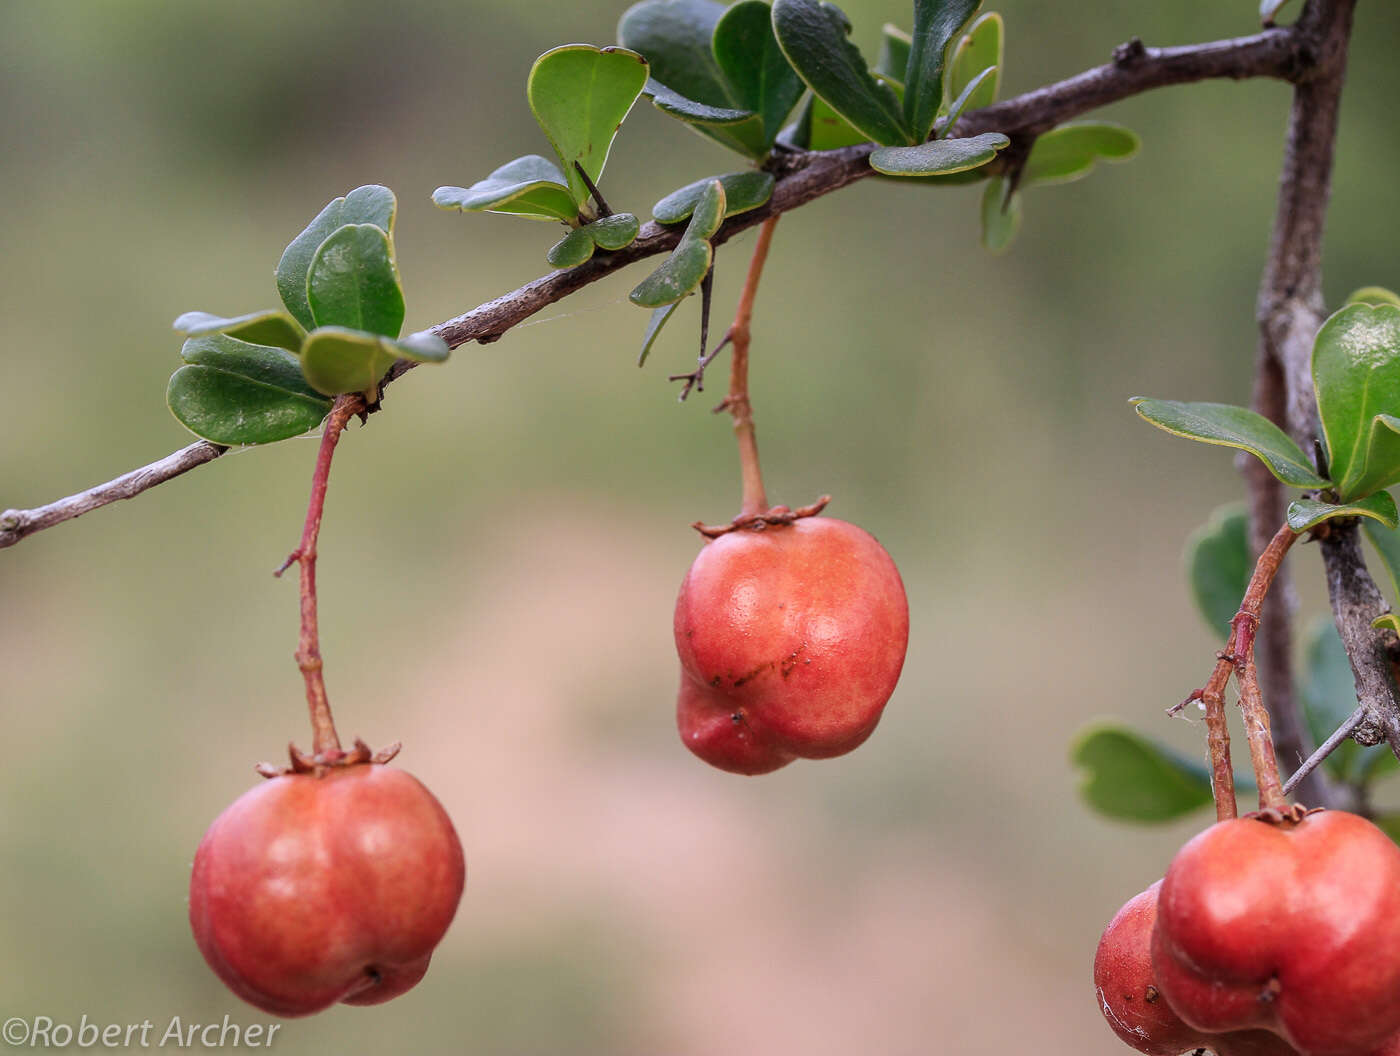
775, 516
323, 763
1290, 815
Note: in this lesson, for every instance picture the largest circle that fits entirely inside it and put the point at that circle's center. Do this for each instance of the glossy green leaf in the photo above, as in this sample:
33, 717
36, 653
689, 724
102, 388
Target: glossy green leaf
571, 250
894, 53
354, 283
1219, 564
959, 104
658, 319
1069, 152
233, 392
1228, 426
742, 191
709, 213
977, 50
738, 130
1309, 513
936, 24
675, 36
1327, 690
1129, 777
1356, 375
814, 37
938, 156
532, 187
336, 360
1375, 296
828, 130
371, 204
614, 232
1387, 621
755, 70
271, 327
1001, 214
580, 94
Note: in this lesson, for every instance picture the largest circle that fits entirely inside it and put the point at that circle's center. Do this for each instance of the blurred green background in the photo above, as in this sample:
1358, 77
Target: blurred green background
503, 544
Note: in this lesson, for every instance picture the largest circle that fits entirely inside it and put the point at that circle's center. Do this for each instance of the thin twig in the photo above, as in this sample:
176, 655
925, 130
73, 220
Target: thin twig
1283, 53
1259, 737
1339, 735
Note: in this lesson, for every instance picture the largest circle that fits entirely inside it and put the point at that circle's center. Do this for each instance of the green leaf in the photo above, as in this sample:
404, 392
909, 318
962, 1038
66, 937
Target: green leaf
336, 360
1387, 544
234, 392
1356, 374
977, 50
1375, 296
1308, 513
1227, 426
1387, 621
571, 250
614, 232
421, 347
1219, 564
828, 130
894, 53
1327, 690
675, 36
683, 271
354, 283
814, 37
1129, 777
532, 187
936, 23
272, 327
756, 71
580, 94
738, 130
1268, 9
1069, 152
1001, 214
938, 156
658, 319
742, 191
371, 204
955, 110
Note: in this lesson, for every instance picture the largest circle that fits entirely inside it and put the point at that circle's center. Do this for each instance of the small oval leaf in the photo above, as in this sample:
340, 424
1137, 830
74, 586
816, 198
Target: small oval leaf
532, 187
1218, 565
271, 327
936, 23
977, 50
336, 360
233, 392
1129, 777
679, 274
1356, 374
654, 325
675, 36
421, 347
1309, 513
756, 72
1069, 152
1001, 214
1238, 427
939, 156
354, 283
614, 232
571, 250
370, 204
580, 94
742, 191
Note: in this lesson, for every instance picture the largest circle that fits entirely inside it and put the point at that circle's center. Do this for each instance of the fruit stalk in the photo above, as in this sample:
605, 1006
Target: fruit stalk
325, 746
755, 499
1260, 737
1236, 655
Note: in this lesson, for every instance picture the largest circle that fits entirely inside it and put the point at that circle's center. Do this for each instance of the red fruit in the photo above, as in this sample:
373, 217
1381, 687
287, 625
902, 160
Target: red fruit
310, 890
1290, 927
1134, 1005
791, 639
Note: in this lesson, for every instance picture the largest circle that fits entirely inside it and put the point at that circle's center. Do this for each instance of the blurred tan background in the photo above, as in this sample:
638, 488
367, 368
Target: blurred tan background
503, 544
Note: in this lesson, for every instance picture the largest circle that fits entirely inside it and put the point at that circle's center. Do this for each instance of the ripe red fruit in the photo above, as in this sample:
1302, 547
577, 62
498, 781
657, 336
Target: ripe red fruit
1134, 1005
791, 640
310, 890
1290, 927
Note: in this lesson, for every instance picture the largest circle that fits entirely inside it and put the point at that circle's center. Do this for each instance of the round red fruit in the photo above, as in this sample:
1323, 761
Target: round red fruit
791, 640
312, 889
1134, 1005
1290, 927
